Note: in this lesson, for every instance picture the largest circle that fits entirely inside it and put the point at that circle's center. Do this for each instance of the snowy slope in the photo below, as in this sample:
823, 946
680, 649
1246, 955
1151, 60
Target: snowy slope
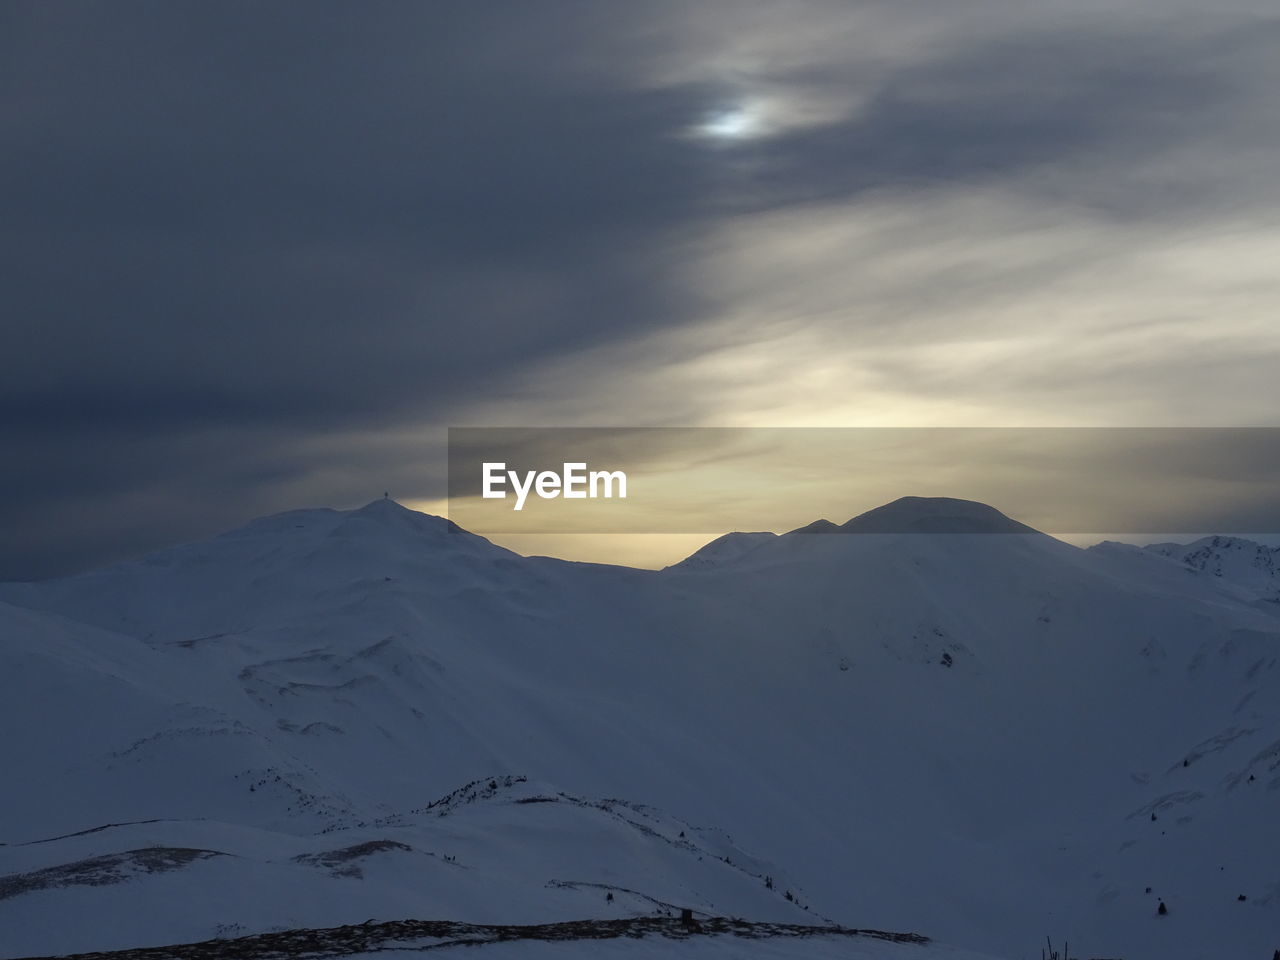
961, 734
721, 550
505, 850
1239, 563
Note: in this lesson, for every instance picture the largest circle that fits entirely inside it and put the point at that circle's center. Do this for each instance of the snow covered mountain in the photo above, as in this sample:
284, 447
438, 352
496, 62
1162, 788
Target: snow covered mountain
329, 717
721, 550
1237, 562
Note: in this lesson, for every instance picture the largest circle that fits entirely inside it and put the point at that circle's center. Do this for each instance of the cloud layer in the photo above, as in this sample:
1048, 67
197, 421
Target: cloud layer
259, 256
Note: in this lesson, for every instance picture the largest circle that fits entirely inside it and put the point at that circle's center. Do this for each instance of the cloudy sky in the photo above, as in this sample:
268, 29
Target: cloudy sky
260, 256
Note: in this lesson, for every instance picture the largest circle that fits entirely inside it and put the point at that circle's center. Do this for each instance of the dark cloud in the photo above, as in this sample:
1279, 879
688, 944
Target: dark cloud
238, 235
1083, 111
275, 203
287, 219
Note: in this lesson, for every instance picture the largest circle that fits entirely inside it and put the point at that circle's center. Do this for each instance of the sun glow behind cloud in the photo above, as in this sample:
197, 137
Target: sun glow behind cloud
737, 122
980, 307
757, 111
732, 123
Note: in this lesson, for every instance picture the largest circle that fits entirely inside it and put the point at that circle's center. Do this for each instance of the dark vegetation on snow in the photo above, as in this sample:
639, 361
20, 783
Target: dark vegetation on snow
101, 871
438, 934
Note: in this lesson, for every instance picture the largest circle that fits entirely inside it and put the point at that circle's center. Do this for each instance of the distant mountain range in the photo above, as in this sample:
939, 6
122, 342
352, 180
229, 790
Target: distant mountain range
1244, 564
332, 717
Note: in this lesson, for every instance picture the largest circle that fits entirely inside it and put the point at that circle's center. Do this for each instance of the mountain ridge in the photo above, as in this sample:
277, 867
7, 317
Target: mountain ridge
841, 715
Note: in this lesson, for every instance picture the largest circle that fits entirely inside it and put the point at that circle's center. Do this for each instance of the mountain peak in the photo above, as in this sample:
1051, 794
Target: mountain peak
934, 515
383, 506
723, 550
818, 526
390, 513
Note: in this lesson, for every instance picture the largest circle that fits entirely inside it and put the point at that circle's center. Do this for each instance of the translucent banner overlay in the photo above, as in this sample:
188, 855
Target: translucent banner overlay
1135, 480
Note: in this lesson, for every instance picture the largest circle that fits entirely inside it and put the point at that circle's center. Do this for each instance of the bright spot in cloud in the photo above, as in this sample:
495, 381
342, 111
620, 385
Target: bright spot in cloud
769, 113
737, 122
